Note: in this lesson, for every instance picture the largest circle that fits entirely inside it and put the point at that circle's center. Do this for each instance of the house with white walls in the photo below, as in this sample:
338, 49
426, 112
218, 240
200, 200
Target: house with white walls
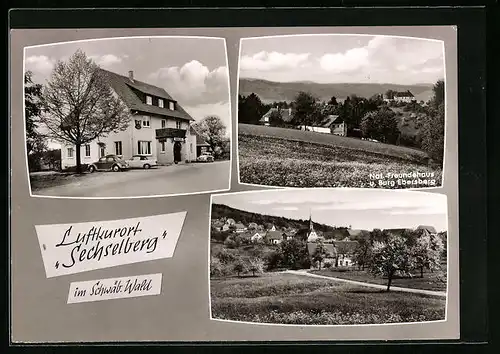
159, 127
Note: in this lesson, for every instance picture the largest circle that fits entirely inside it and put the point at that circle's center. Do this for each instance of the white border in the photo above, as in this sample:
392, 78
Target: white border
332, 190
131, 197
447, 100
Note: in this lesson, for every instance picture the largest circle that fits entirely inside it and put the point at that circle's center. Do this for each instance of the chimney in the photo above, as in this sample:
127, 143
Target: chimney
131, 75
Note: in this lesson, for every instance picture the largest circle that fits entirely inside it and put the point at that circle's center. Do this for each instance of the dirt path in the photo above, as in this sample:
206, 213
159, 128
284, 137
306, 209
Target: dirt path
376, 286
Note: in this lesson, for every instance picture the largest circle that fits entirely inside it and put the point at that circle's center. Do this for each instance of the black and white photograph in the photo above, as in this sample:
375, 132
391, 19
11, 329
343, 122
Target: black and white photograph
127, 117
343, 110
328, 257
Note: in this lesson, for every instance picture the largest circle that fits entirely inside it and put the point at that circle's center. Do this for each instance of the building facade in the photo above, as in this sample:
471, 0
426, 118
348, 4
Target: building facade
159, 127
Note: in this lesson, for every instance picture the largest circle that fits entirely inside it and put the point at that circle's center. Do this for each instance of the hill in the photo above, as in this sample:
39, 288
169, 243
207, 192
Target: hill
270, 91
246, 217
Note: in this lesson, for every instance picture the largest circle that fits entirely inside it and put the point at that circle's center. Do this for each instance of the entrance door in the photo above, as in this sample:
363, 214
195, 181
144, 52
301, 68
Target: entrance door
177, 151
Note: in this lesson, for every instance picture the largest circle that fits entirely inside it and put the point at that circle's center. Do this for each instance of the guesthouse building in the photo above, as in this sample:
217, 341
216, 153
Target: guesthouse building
158, 128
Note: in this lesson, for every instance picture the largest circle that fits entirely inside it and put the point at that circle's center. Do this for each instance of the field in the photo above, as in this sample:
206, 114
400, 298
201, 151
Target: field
431, 281
296, 299
294, 158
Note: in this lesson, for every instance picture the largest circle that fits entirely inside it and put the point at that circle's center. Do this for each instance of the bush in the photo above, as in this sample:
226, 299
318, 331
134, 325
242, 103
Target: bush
327, 265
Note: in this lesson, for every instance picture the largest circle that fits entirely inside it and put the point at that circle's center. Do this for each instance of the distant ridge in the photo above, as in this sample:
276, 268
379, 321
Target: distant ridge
270, 91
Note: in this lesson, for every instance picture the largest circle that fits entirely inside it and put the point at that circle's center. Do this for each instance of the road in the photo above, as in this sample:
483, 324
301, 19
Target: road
163, 180
376, 286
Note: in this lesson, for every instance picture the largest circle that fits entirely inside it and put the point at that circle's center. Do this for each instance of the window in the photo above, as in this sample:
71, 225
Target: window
70, 152
163, 123
178, 124
146, 121
102, 151
149, 100
144, 147
162, 146
191, 147
118, 148
160, 103
171, 106
87, 150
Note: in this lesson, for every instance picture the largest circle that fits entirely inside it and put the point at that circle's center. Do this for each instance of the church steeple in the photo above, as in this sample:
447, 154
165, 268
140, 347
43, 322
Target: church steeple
311, 224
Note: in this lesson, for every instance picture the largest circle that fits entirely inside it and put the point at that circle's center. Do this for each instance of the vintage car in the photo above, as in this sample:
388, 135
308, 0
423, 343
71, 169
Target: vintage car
205, 157
109, 163
141, 161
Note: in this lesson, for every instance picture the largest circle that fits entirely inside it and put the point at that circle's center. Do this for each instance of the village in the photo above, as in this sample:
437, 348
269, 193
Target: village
283, 269
337, 247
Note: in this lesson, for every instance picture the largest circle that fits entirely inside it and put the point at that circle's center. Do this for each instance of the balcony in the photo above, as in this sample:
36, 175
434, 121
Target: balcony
170, 133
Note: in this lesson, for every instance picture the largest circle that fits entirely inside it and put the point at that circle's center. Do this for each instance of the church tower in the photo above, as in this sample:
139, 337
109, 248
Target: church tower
311, 235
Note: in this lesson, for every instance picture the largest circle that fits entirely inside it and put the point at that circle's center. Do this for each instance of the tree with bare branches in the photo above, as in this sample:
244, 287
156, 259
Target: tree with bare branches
79, 106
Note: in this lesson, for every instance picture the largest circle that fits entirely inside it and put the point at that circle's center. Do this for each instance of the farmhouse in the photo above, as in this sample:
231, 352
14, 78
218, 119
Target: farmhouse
405, 96
339, 253
427, 230
274, 237
285, 114
256, 237
333, 124
159, 127
239, 227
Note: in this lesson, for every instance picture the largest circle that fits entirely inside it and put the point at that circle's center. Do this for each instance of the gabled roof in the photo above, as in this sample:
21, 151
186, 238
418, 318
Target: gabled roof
403, 94
311, 248
429, 229
123, 87
286, 114
332, 118
274, 235
239, 226
200, 141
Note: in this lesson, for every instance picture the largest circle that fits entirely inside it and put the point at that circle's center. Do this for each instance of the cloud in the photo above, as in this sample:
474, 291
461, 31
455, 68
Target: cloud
350, 60
287, 208
389, 58
106, 60
265, 61
193, 83
40, 64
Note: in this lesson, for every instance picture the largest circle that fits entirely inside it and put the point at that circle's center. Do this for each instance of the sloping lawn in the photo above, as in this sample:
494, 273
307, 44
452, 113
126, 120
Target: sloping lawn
294, 299
282, 162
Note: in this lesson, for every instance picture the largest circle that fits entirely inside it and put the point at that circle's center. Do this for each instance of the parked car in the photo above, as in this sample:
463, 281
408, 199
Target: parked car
109, 163
141, 161
205, 157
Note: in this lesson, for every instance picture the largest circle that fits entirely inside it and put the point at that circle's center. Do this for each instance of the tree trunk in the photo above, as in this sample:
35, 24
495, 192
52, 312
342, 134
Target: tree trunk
421, 271
389, 281
78, 158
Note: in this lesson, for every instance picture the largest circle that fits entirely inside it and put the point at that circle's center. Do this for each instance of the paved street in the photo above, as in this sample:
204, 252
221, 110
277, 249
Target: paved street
163, 180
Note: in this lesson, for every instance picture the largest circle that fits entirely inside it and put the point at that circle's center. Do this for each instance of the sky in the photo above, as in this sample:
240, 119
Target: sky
343, 59
192, 70
360, 209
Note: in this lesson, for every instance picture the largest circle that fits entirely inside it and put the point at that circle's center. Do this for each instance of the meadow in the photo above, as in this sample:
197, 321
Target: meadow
434, 281
294, 158
295, 299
